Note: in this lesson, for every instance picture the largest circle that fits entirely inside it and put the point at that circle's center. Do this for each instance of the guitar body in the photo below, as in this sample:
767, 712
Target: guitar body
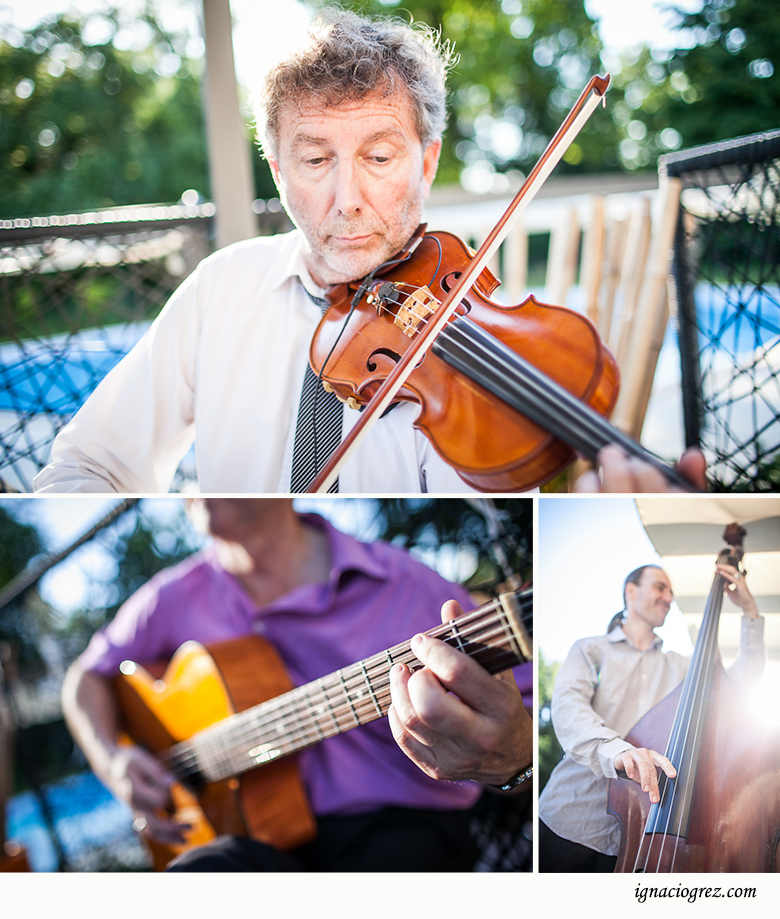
13, 857
164, 704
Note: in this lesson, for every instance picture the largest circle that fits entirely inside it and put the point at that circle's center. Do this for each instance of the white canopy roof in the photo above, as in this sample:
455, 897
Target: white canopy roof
687, 532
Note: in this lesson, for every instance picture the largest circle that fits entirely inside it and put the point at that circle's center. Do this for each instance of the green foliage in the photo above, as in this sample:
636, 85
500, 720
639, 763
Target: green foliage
429, 523
21, 621
523, 64
723, 81
141, 545
728, 84
88, 125
550, 751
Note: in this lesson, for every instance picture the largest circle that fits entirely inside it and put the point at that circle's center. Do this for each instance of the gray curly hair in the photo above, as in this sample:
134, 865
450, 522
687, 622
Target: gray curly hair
349, 57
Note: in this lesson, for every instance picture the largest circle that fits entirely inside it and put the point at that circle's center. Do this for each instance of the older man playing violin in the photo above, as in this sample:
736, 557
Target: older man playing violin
352, 128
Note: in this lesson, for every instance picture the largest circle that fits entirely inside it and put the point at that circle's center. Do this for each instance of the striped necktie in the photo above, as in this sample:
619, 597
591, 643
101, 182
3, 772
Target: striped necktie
318, 429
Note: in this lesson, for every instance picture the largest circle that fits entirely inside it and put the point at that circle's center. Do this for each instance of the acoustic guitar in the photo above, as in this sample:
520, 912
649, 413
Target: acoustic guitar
225, 720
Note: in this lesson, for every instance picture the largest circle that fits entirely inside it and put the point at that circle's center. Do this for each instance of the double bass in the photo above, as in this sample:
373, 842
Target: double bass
721, 812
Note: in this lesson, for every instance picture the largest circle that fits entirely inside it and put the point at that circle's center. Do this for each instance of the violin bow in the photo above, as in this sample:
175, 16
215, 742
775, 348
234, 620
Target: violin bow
589, 99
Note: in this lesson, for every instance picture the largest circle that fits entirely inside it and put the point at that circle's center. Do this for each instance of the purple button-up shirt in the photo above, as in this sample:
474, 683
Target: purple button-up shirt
376, 596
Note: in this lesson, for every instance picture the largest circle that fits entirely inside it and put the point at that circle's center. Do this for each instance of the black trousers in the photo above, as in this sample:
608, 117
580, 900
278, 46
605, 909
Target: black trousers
561, 855
392, 839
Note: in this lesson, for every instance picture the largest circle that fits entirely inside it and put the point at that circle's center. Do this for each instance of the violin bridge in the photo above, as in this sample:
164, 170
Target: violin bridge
417, 307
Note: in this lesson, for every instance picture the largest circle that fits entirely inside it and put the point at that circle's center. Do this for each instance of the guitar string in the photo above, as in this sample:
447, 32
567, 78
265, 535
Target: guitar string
691, 708
249, 726
324, 688
288, 704
299, 733
284, 706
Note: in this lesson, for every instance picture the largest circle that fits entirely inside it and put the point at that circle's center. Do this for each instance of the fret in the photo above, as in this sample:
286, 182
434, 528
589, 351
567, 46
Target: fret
347, 697
370, 688
319, 706
456, 635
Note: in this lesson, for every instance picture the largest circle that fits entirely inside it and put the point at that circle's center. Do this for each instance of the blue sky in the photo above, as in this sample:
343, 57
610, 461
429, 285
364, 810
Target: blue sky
586, 547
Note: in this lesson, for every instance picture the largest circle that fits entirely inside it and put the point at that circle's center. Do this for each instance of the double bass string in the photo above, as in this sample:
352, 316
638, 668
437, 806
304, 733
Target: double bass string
682, 749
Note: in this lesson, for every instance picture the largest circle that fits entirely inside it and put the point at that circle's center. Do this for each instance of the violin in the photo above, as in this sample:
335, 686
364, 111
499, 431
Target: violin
508, 394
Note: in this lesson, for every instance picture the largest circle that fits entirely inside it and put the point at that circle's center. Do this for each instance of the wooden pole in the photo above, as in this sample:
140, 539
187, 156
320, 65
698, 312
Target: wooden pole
651, 313
632, 272
230, 167
590, 266
562, 260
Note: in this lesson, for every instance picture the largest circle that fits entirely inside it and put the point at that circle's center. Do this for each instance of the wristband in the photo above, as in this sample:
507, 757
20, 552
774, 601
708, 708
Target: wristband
522, 776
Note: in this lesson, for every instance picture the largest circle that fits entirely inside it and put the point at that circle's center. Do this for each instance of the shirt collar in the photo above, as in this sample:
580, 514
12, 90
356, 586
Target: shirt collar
291, 265
617, 634
347, 553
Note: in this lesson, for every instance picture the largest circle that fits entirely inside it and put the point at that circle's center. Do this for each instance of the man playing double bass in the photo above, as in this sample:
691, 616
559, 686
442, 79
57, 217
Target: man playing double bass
606, 684
351, 128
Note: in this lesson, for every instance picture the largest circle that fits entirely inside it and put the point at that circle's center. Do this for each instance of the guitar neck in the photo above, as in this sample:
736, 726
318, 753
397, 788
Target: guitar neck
496, 635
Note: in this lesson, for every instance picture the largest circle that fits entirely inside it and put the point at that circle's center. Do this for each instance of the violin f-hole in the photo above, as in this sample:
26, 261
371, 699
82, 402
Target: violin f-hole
371, 361
372, 364
446, 284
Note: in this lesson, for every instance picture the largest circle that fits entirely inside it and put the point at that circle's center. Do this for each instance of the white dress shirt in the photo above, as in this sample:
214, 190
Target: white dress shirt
603, 688
223, 365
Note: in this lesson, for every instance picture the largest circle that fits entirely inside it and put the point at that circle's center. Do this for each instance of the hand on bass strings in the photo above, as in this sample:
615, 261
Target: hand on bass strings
641, 765
454, 720
621, 474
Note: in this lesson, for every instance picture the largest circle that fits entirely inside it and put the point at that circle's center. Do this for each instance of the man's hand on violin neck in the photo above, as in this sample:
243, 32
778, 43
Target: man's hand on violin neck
454, 720
642, 766
621, 474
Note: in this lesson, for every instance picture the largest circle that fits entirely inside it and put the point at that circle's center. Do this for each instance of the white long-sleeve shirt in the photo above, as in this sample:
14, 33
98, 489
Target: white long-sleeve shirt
226, 359
603, 688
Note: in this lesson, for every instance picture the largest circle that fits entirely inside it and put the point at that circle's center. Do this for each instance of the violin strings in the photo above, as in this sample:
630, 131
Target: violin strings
205, 751
517, 382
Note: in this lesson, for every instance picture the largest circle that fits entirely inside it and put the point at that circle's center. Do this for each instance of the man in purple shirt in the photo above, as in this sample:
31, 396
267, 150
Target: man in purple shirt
394, 794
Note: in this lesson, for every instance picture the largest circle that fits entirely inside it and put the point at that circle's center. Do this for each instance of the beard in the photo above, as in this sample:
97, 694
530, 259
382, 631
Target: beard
330, 260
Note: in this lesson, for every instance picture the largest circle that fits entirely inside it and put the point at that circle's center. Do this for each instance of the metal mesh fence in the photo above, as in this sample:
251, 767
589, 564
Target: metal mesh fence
725, 292
77, 293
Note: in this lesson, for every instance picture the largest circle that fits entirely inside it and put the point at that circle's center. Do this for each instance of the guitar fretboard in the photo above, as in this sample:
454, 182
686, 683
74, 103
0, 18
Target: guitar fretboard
496, 635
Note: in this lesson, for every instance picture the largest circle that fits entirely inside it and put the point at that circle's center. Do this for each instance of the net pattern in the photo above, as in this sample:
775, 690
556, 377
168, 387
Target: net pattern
725, 296
77, 293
